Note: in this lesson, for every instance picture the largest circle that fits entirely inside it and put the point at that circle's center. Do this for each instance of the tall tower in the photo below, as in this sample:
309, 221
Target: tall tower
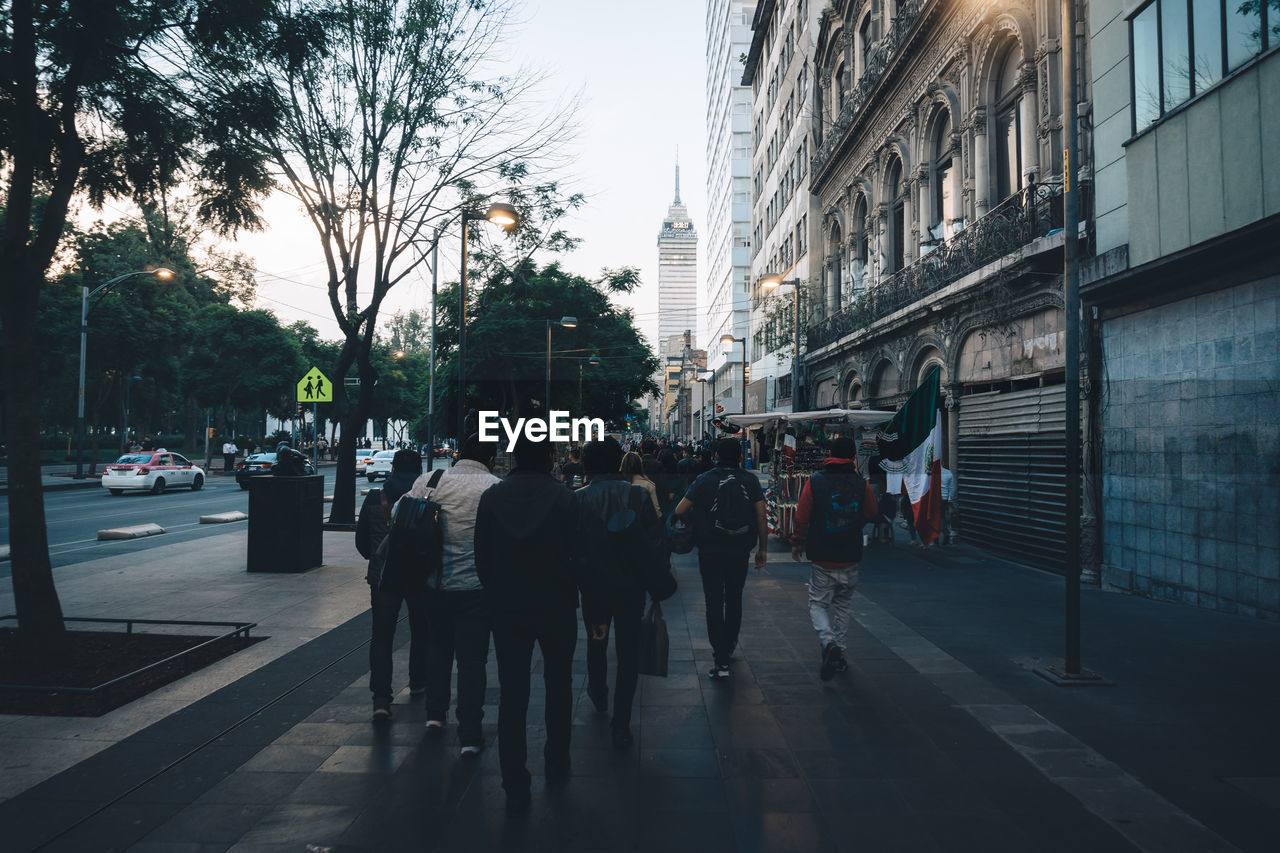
677, 272
726, 305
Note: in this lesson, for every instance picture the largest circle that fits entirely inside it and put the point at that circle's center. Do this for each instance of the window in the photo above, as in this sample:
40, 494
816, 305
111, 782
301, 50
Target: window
1008, 126
942, 177
897, 217
1179, 48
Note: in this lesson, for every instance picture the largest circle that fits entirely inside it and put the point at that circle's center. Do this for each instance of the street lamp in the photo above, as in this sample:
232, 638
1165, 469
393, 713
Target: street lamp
728, 340
770, 283
593, 361
85, 295
499, 214
568, 323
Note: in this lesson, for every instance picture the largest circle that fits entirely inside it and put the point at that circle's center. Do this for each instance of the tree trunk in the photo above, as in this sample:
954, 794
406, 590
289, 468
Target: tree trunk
343, 508
35, 597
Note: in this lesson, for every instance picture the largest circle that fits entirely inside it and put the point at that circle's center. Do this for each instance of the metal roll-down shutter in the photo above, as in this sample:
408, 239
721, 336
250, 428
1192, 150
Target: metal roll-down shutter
1011, 474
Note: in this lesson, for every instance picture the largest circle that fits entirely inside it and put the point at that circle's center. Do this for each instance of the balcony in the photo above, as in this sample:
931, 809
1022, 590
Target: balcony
1018, 220
879, 57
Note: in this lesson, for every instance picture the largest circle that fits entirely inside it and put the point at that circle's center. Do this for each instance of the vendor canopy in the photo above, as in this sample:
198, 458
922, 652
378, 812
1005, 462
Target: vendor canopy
856, 417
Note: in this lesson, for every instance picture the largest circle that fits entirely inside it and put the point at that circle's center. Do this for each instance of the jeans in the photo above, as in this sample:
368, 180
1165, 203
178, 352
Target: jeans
723, 577
458, 625
624, 612
831, 603
556, 633
228, 462
386, 612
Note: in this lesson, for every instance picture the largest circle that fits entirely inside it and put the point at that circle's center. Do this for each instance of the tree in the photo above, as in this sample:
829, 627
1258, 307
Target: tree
98, 97
506, 351
387, 130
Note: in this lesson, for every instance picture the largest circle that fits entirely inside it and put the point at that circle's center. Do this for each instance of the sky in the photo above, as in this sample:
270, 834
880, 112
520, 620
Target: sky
639, 71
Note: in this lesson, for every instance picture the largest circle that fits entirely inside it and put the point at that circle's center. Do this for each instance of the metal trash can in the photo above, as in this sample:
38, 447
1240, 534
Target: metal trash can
286, 523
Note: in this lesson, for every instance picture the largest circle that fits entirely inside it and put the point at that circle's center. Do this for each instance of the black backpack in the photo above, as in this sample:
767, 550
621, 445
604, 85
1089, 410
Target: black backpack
835, 530
732, 514
415, 542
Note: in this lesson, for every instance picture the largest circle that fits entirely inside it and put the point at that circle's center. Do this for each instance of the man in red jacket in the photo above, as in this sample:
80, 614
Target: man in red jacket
834, 505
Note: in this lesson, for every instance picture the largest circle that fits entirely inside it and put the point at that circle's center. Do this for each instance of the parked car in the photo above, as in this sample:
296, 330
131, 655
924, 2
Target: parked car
363, 455
378, 466
259, 464
152, 471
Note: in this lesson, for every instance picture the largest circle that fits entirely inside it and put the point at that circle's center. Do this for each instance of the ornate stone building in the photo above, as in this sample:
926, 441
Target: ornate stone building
937, 166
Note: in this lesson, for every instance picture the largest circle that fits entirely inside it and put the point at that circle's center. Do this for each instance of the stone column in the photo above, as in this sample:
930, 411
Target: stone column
833, 290
981, 164
1027, 116
922, 213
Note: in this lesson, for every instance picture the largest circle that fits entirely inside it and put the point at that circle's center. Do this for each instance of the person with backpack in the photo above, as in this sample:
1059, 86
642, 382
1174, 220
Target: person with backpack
526, 526
729, 517
457, 609
389, 588
620, 543
834, 505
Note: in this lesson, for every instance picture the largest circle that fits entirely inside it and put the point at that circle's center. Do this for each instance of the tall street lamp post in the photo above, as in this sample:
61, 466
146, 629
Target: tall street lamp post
568, 323
85, 295
499, 214
770, 283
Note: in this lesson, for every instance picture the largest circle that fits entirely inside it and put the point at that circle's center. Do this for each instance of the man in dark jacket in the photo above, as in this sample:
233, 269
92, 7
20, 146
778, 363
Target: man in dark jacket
619, 588
387, 593
834, 505
655, 470
729, 517
525, 530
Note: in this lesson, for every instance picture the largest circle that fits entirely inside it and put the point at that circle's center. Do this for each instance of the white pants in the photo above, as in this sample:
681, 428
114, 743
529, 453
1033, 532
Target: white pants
831, 603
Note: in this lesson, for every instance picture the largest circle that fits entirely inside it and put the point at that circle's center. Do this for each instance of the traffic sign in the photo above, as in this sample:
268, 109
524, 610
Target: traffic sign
315, 387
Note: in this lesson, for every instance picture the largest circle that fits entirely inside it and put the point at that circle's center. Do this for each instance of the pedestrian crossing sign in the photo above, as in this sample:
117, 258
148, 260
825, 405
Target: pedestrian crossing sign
315, 387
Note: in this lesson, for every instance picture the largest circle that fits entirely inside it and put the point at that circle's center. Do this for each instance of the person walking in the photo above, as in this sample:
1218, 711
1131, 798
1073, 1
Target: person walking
390, 588
729, 516
525, 529
633, 472
229, 450
611, 558
457, 610
834, 505
572, 472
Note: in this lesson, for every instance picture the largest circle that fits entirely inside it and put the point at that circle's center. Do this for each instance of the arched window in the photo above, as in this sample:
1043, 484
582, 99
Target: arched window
836, 272
942, 181
1008, 125
840, 92
895, 191
864, 44
858, 262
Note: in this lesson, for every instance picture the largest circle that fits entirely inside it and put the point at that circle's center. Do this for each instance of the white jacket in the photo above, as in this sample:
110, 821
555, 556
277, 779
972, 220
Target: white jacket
458, 494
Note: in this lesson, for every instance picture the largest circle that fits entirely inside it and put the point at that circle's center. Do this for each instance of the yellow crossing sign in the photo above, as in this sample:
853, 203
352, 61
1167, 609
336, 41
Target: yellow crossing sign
315, 387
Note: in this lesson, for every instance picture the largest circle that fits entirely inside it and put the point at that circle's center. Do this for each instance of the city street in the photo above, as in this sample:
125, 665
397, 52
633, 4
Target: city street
75, 516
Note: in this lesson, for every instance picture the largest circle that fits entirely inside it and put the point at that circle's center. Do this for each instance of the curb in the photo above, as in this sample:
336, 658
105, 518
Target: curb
223, 517
60, 487
136, 531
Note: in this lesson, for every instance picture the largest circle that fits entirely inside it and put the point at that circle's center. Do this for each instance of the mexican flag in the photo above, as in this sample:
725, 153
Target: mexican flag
912, 446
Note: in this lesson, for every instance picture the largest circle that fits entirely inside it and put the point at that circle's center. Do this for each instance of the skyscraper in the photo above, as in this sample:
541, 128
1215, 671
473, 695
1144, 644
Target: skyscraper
725, 304
677, 271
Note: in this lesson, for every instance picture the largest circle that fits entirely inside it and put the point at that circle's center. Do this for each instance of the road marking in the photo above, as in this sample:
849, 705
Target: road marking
1149, 821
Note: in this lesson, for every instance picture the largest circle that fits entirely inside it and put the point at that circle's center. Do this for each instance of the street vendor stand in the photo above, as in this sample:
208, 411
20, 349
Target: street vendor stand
800, 442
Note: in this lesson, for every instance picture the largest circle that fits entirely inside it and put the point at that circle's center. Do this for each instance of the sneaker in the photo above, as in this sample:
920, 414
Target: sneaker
830, 654
718, 673
842, 663
381, 710
435, 725
471, 749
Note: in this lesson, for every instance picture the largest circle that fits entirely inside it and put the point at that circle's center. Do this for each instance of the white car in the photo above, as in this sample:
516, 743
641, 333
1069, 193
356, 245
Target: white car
378, 466
151, 471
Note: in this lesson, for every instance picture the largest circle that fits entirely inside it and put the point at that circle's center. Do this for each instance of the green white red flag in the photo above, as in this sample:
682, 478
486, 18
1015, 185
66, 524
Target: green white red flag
912, 445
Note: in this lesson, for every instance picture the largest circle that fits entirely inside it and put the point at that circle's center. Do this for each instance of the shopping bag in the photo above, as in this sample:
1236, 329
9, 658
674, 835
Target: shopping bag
654, 644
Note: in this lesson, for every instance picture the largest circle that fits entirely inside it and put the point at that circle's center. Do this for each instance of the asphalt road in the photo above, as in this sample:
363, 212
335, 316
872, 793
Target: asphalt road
74, 517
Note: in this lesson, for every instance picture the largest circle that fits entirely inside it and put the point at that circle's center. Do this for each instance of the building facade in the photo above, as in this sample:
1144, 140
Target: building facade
677, 270
785, 218
937, 170
1185, 288
725, 303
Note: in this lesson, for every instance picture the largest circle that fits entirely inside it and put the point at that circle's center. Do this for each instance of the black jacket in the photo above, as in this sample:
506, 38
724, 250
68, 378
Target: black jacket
615, 577
525, 530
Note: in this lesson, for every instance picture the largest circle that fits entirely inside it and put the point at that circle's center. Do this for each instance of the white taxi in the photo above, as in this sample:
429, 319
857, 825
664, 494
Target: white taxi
378, 466
151, 471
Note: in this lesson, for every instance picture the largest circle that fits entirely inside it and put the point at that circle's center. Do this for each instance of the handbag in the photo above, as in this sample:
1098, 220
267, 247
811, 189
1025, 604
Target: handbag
654, 643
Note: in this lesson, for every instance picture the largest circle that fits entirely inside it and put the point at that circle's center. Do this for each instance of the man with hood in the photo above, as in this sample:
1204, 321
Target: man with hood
834, 505
525, 532
387, 593
458, 621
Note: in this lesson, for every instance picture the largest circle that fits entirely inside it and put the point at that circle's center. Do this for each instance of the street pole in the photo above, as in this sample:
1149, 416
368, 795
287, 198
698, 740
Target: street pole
84, 343
795, 357
1071, 305
315, 441
462, 334
431, 356
546, 397
124, 431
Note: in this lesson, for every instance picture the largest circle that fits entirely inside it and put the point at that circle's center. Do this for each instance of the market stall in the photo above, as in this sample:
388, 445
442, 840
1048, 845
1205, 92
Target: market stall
800, 442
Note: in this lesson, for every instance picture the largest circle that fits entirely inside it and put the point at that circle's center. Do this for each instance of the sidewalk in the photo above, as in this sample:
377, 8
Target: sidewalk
940, 737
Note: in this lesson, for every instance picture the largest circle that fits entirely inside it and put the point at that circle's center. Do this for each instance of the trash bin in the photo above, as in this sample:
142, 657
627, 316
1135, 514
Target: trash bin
286, 523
